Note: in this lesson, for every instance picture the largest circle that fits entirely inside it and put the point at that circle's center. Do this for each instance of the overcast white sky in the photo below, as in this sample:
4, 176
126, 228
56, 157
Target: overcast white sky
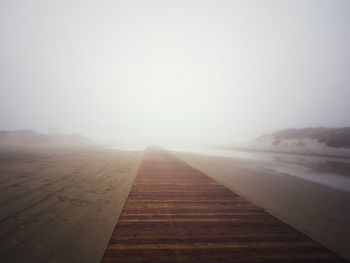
174, 70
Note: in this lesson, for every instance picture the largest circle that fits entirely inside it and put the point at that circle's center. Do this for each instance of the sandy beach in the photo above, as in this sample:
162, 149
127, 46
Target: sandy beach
61, 204
321, 212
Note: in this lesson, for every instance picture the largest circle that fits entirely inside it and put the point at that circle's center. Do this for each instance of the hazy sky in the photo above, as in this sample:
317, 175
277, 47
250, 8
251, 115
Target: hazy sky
166, 70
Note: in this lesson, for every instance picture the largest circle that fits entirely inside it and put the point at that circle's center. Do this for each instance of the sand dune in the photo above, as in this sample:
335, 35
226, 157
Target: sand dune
61, 205
318, 141
30, 138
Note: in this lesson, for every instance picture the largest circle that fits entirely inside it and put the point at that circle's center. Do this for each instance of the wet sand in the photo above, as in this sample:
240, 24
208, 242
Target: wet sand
321, 212
61, 204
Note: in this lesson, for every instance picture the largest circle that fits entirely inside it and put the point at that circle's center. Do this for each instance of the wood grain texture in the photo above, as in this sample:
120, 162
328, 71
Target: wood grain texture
174, 213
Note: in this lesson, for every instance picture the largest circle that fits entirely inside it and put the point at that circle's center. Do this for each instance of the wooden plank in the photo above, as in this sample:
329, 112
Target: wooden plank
174, 213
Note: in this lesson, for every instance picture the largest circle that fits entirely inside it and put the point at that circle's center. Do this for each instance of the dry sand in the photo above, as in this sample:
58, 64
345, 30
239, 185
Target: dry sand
61, 204
320, 212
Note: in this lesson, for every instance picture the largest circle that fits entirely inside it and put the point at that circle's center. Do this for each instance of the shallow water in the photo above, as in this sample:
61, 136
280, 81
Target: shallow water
326, 170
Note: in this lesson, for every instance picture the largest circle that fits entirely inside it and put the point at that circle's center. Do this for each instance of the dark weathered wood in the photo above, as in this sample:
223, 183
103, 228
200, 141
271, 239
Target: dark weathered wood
174, 213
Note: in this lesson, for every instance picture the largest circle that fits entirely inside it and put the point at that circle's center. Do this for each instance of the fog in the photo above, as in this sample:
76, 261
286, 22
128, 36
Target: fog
179, 71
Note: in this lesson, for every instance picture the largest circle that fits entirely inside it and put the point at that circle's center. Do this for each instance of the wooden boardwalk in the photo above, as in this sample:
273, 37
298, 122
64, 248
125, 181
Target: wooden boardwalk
174, 213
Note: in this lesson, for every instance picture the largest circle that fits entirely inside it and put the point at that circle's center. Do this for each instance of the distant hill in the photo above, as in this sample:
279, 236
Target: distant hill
34, 138
324, 141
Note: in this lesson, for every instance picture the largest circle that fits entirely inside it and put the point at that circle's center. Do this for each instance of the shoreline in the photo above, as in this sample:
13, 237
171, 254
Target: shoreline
309, 207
